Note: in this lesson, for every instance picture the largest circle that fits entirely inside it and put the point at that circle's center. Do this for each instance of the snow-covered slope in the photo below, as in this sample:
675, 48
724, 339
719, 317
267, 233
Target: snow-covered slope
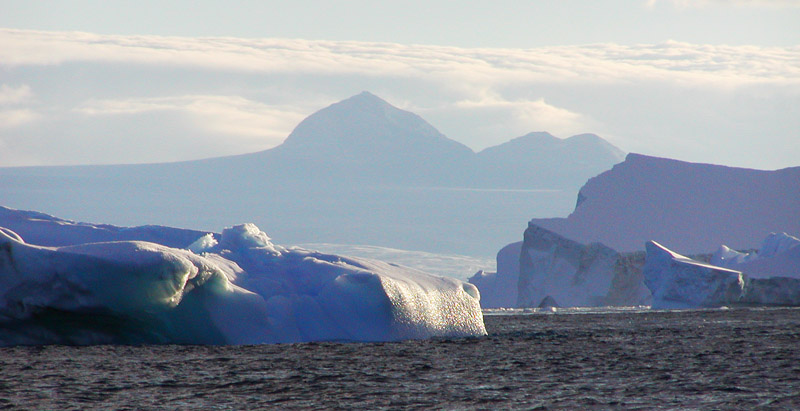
230, 288
693, 207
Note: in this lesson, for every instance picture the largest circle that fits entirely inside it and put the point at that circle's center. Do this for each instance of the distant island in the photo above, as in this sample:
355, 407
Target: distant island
360, 171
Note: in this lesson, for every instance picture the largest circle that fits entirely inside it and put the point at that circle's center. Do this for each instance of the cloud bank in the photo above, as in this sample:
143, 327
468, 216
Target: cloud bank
591, 63
216, 96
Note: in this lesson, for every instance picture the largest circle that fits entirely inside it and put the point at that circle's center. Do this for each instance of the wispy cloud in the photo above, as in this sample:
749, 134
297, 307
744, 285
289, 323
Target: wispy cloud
232, 115
10, 95
12, 112
17, 117
517, 116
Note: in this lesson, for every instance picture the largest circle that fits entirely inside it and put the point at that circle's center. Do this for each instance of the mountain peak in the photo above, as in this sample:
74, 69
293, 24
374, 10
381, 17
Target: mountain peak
538, 135
366, 95
596, 144
364, 100
535, 139
369, 137
363, 119
585, 138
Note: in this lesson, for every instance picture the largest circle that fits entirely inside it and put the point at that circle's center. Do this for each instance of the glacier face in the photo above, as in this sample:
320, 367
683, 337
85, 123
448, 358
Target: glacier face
231, 288
677, 281
569, 274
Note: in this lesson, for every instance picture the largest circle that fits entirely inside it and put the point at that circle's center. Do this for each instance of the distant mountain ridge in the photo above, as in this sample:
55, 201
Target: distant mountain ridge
543, 157
366, 138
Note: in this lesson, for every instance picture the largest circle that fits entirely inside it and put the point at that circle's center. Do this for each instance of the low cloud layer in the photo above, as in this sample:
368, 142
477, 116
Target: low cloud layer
106, 95
671, 61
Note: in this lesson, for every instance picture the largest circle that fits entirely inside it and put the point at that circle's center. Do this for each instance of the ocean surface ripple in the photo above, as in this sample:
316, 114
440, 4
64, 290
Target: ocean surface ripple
647, 360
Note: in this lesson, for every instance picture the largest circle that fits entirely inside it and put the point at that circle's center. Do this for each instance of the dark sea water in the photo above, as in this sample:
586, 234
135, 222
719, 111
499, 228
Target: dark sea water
738, 359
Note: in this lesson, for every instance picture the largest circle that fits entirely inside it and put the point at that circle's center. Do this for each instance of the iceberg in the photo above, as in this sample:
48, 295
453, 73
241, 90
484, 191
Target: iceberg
499, 289
594, 256
43, 229
779, 255
556, 271
677, 281
236, 287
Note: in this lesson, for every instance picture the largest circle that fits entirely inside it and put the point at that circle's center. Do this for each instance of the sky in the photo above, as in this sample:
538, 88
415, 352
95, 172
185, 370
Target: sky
105, 82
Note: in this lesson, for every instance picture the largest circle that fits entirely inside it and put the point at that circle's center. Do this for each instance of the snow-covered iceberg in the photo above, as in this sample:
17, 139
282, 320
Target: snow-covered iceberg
779, 255
236, 287
677, 281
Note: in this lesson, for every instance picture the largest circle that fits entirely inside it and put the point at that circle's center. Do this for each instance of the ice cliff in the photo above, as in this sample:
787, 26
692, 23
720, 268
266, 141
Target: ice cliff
677, 281
236, 287
563, 272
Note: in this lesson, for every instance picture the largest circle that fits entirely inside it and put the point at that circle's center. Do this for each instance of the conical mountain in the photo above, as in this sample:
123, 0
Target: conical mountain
367, 122
364, 137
